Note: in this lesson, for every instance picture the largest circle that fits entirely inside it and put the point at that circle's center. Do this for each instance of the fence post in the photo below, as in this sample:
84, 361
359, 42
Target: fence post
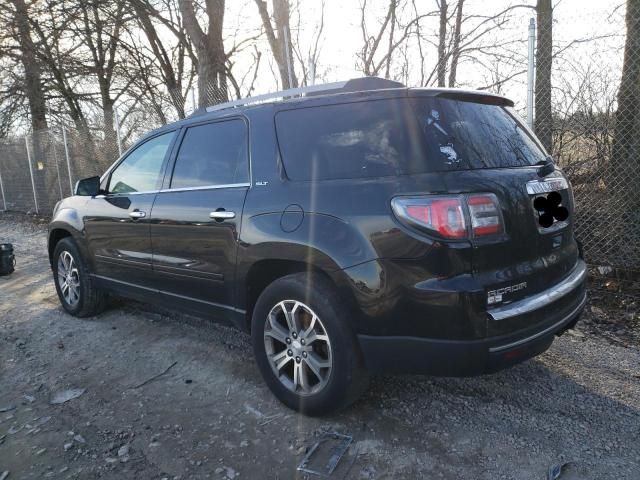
4, 200
115, 113
55, 158
530, 68
33, 183
66, 154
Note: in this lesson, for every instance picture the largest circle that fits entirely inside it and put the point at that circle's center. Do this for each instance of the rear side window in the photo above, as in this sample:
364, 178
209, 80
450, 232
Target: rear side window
362, 139
402, 137
211, 155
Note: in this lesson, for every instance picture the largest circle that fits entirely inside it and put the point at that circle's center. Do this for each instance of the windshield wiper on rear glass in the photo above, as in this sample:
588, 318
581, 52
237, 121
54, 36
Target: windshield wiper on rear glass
546, 166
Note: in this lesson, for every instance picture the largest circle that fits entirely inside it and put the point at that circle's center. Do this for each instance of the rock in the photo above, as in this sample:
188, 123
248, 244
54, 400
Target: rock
123, 450
4, 475
63, 396
29, 398
68, 446
230, 472
7, 408
244, 443
110, 460
41, 451
79, 438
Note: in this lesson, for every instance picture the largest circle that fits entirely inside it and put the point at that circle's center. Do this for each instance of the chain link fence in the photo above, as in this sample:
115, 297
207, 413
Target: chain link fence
592, 132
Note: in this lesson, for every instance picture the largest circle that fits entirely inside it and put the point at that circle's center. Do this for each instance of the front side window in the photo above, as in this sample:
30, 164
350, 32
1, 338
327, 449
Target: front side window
140, 170
211, 155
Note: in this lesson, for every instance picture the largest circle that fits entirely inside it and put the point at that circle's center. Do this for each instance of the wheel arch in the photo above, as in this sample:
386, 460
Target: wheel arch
264, 272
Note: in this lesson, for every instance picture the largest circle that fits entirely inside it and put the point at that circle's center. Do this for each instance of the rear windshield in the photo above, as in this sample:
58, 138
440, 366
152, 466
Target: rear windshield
401, 137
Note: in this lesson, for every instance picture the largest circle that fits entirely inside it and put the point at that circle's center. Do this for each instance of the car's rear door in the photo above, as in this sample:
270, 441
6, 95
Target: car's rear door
196, 217
117, 222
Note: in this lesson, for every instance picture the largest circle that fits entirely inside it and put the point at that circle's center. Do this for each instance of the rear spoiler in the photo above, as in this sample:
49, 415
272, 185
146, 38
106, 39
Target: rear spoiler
475, 96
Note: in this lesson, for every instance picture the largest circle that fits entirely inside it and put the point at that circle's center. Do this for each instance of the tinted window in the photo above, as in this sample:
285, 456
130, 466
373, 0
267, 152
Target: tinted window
212, 154
140, 170
400, 137
363, 139
466, 135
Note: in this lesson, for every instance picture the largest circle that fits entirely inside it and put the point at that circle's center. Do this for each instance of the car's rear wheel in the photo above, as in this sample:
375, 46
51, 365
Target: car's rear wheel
304, 347
76, 290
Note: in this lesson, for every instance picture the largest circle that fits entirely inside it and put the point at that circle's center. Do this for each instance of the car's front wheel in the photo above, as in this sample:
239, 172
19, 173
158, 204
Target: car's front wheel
76, 291
304, 347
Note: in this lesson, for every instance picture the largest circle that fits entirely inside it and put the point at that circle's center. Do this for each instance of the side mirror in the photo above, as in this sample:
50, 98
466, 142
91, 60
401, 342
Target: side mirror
88, 187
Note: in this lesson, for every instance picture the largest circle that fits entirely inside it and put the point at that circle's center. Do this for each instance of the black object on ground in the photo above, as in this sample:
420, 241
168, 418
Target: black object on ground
7, 259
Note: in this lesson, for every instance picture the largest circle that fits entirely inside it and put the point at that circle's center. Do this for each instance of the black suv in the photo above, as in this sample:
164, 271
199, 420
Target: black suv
351, 228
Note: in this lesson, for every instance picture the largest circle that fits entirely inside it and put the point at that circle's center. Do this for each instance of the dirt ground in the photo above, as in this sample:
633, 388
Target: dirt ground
209, 415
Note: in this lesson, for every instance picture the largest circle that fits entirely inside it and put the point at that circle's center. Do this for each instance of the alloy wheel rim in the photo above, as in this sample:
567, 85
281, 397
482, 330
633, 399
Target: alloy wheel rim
298, 347
68, 278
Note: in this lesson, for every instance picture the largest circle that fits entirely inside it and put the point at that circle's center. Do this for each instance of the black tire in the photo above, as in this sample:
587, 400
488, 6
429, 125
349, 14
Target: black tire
91, 300
348, 377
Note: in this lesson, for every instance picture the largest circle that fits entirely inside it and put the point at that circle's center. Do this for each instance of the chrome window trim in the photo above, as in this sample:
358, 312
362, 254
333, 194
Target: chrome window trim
542, 333
544, 298
205, 187
184, 189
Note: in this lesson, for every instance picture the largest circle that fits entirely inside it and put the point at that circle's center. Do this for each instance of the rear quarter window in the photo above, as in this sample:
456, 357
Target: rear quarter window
352, 140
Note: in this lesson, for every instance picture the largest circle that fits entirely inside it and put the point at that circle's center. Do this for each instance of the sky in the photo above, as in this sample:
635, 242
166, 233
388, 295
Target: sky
574, 21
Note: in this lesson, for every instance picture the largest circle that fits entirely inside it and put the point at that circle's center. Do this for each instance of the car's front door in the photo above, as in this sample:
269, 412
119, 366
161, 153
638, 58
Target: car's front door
196, 217
117, 222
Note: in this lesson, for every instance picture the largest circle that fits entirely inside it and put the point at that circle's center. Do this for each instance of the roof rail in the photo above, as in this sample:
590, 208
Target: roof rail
366, 83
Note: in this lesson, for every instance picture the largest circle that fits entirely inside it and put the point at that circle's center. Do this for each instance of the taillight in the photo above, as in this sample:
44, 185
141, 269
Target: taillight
443, 215
485, 216
447, 215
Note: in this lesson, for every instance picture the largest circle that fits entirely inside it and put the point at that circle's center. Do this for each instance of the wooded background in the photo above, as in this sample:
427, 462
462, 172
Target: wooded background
74, 71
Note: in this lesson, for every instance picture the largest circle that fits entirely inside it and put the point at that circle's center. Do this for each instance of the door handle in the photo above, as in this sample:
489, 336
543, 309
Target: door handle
222, 215
137, 214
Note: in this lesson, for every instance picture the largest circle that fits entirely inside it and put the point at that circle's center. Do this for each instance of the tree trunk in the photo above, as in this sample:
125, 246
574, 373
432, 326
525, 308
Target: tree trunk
442, 61
624, 171
32, 74
543, 114
455, 55
212, 79
281, 45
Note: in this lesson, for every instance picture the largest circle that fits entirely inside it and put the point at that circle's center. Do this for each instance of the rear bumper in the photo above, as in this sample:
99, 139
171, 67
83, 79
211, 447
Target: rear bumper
548, 313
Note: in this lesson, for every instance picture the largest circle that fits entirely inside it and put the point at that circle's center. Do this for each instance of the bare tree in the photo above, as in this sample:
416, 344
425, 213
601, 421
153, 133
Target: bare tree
457, 38
279, 37
442, 42
376, 55
625, 161
209, 48
173, 61
32, 84
310, 60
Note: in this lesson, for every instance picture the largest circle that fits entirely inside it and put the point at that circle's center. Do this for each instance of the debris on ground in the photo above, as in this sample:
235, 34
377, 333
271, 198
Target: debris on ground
149, 380
322, 459
66, 395
556, 471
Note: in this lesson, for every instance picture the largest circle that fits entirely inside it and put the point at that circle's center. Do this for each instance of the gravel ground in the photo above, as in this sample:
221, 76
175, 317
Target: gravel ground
210, 415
